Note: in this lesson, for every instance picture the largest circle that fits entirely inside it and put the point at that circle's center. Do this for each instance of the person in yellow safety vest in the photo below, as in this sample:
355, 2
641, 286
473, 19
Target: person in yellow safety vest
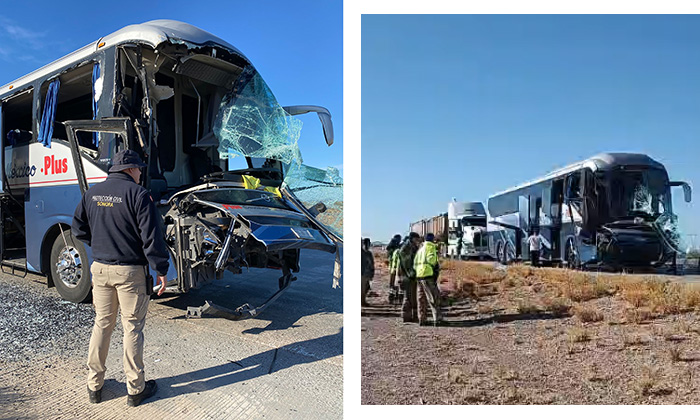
395, 294
427, 269
393, 264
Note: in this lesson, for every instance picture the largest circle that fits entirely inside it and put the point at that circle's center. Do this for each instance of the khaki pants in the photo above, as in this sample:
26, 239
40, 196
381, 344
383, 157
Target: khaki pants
118, 287
428, 294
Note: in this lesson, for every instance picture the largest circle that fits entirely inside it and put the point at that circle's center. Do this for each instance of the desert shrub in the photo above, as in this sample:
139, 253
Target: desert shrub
525, 306
521, 270
461, 288
587, 313
557, 306
638, 315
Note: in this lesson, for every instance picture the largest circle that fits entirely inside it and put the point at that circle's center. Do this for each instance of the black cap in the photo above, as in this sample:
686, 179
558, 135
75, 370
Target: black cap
413, 235
126, 159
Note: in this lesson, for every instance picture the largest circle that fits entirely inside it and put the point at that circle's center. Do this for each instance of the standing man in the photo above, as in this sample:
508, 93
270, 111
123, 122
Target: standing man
535, 243
118, 219
367, 268
427, 268
392, 263
407, 253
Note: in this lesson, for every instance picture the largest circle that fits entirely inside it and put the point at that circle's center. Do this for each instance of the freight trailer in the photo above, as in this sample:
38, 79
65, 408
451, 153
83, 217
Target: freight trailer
437, 225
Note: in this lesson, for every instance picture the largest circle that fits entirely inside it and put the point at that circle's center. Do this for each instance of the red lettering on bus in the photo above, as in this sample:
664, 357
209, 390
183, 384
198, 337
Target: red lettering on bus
57, 166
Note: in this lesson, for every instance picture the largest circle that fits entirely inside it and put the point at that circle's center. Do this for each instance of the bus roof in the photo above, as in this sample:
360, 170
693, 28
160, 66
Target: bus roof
152, 33
603, 161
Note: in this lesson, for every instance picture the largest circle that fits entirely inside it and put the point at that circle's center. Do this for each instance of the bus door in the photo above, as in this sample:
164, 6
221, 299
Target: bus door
556, 197
109, 125
12, 252
524, 222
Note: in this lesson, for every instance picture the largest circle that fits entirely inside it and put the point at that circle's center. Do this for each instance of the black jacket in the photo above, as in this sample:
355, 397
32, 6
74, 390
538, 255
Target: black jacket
367, 264
118, 219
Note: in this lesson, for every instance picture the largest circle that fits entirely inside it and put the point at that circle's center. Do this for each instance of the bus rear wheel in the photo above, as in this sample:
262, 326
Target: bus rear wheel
69, 268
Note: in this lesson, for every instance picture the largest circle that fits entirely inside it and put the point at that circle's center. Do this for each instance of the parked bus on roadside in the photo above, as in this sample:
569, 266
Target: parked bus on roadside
613, 210
188, 103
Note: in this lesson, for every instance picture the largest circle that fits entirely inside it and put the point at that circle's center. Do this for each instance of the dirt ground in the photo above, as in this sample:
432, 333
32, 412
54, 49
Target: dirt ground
511, 338
287, 363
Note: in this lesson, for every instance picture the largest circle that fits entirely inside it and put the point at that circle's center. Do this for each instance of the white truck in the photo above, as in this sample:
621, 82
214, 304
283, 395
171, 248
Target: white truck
466, 230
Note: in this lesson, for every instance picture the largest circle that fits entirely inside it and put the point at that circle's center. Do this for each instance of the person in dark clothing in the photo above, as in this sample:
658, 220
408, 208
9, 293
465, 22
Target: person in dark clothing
119, 221
367, 269
407, 253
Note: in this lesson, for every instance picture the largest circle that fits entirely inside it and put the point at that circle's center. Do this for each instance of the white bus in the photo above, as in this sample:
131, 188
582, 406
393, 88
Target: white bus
188, 103
613, 209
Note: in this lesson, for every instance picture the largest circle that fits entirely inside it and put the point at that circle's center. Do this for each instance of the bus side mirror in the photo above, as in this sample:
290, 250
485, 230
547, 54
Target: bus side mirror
323, 114
687, 191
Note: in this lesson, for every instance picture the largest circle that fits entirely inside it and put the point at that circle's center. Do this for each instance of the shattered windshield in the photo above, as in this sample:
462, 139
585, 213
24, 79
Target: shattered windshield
636, 193
251, 123
239, 196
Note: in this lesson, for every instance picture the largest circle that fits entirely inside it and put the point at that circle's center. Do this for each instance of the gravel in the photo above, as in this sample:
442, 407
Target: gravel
35, 321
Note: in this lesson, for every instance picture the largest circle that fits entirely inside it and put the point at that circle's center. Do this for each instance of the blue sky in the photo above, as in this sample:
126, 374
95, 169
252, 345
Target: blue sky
296, 46
466, 106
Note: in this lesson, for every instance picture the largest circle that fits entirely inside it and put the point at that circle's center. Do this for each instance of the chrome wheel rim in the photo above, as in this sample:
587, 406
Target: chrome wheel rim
69, 267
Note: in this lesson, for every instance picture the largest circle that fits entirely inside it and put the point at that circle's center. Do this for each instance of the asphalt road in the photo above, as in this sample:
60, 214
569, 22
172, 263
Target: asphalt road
285, 364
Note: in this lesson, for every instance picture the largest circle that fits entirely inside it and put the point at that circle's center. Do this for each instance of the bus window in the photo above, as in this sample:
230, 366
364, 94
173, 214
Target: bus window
573, 186
17, 118
74, 102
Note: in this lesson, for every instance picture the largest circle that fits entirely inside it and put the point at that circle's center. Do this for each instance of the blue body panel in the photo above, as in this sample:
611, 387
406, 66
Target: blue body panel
58, 204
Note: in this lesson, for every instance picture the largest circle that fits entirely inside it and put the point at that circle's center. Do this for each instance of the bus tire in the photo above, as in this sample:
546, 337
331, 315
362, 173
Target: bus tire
573, 261
506, 251
499, 252
70, 270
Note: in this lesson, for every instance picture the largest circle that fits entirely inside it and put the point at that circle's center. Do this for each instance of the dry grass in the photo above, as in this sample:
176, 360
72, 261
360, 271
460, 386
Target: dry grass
475, 272
649, 297
484, 309
587, 313
636, 339
647, 381
638, 315
527, 307
578, 335
557, 306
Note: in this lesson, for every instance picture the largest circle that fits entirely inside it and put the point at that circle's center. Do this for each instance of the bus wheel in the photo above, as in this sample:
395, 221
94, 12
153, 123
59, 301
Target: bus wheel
507, 254
572, 260
69, 269
499, 252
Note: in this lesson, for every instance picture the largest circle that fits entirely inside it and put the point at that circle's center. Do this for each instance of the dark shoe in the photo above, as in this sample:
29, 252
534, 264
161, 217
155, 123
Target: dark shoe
95, 396
148, 391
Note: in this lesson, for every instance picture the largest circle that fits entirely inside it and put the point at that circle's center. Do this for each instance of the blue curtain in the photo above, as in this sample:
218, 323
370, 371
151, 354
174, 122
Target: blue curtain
95, 76
47, 118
